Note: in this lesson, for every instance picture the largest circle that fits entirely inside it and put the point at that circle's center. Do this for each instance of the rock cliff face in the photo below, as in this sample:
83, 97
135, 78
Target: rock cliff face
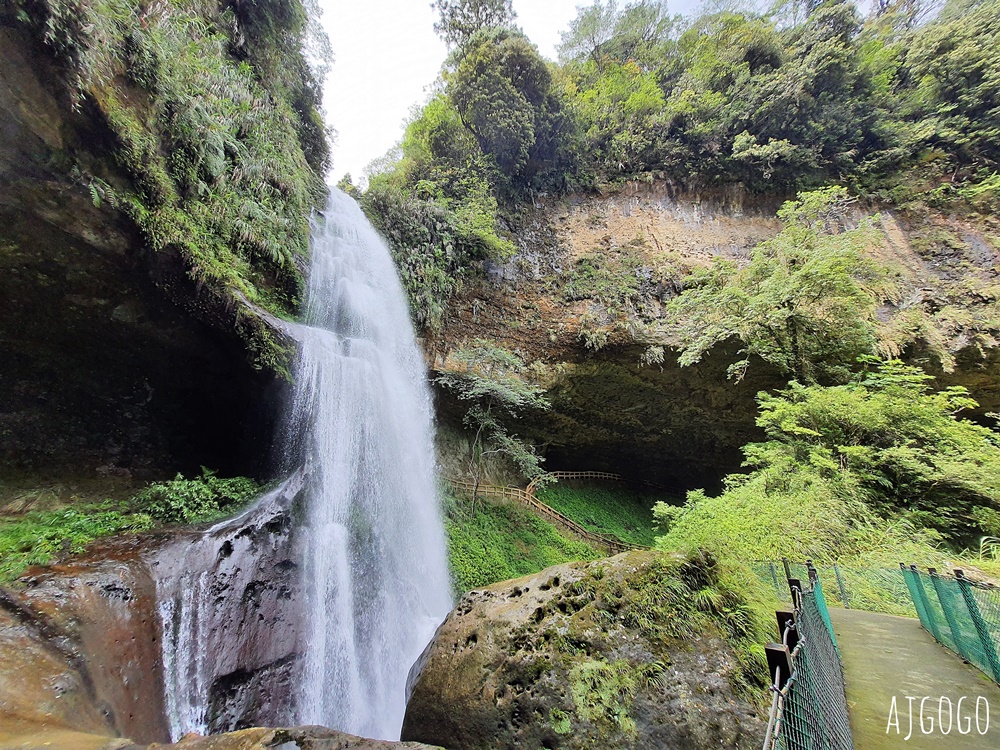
589, 269
584, 655
111, 355
583, 302
87, 637
231, 604
87, 642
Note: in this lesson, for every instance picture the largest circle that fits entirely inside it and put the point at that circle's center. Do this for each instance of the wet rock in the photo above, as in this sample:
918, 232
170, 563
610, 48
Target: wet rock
80, 643
231, 599
298, 738
582, 655
39, 737
95, 619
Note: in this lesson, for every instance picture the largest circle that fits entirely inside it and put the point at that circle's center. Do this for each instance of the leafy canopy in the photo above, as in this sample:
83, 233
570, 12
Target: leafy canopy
879, 466
459, 20
805, 302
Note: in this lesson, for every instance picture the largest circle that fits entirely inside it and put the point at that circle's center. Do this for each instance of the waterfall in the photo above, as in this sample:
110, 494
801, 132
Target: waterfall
335, 581
375, 574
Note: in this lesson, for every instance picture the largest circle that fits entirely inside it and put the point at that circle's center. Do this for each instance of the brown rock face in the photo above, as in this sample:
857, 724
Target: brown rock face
83, 647
608, 654
40, 737
86, 638
239, 592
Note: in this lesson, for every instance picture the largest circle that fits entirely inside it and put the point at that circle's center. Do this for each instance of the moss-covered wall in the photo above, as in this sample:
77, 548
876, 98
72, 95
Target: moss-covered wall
158, 166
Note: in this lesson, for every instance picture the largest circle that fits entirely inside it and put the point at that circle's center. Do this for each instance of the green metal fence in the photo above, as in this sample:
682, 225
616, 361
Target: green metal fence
871, 589
809, 710
961, 614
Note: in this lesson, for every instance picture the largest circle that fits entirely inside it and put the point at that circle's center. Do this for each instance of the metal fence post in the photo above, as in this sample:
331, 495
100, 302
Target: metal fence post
843, 589
774, 577
918, 604
989, 647
926, 603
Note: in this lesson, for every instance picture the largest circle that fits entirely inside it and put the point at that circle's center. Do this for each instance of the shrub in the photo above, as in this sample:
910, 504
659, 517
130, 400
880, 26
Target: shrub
39, 537
203, 498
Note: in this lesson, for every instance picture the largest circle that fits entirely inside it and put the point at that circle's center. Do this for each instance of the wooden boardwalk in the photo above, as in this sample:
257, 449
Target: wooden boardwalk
888, 657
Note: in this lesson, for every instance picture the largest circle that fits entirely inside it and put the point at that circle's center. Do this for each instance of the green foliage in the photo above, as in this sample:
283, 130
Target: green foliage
612, 279
494, 382
676, 597
878, 470
503, 92
430, 252
39, 537
603, 692
601, 33
213, 116
893, 103
902, 444
805, 302
204, 498
783, 100
437, 208
347, 185
500, 542
459, 20
954, 85
613, 510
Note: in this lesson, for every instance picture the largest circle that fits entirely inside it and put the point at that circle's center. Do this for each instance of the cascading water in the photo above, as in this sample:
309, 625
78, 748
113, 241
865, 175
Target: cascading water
354, 535
376, 574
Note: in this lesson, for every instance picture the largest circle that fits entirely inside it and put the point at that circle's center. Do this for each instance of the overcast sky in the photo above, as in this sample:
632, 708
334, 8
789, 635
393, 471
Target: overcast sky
386, 55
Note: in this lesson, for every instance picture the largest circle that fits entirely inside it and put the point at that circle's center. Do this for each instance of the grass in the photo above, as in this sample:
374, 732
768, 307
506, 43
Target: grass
45, 534
39, 537
502, 542
614, 510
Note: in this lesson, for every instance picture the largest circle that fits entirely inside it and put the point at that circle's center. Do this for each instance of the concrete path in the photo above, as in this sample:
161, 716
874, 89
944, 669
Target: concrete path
888, 657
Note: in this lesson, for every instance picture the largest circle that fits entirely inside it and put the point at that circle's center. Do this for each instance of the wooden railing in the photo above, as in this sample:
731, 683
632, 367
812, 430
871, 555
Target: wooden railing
494, 491
557, 475
526, 497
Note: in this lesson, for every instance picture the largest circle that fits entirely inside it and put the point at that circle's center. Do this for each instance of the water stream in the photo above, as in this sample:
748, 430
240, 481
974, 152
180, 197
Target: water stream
311, 607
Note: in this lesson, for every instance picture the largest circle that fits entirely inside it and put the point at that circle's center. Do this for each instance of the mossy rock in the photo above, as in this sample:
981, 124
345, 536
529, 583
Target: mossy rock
613, 653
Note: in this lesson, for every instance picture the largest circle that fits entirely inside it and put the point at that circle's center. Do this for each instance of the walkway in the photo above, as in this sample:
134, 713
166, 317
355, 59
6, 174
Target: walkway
886, 656
611, 545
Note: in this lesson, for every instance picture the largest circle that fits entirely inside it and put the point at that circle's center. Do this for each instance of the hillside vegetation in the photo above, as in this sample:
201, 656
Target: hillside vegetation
206, 132
892, 106
876, 134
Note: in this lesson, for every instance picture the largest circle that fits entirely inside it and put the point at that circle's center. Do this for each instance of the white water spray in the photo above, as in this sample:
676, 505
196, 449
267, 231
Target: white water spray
367, 543
376, 573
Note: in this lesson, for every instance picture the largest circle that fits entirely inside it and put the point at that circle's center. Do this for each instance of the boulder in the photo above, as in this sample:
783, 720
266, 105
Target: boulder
630, 651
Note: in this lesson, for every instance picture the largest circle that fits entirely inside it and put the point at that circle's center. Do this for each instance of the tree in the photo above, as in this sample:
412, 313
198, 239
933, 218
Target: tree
602, 31
805, 302
503, 92
461, 19
903, 444
877, 467
589, 32
492, 382
955, 72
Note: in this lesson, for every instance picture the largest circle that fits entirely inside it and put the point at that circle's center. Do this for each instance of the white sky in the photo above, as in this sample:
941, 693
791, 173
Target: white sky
387, 54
